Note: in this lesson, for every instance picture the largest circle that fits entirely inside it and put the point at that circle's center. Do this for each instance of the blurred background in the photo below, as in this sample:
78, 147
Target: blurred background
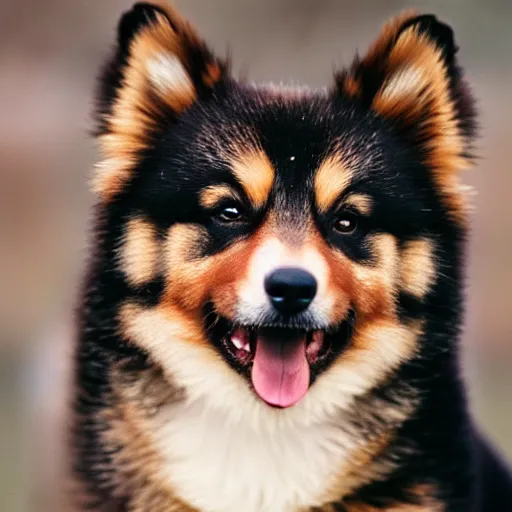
50, 51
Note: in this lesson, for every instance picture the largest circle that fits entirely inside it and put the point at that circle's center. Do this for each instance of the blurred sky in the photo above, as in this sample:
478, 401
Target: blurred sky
50, 51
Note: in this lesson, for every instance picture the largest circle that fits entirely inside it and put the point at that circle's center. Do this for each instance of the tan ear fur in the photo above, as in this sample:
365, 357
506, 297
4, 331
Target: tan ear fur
408, 78
159, 78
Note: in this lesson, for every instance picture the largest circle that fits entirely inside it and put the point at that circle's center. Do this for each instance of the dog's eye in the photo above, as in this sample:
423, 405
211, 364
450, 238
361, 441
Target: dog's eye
230, 214
345, 224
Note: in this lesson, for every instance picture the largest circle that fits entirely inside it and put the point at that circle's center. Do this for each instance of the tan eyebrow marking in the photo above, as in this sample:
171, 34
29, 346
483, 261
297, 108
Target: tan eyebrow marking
361, 202
255, 173
331, 179
211, 196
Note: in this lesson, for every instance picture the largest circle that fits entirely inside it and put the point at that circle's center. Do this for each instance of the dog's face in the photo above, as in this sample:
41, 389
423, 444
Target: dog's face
295, 234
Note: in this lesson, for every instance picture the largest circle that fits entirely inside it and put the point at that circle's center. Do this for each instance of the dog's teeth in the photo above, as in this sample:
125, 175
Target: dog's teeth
317, 341
237, 342
240, 339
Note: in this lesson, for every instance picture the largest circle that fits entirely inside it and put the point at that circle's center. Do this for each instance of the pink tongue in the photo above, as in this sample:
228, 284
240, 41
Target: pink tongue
280, 373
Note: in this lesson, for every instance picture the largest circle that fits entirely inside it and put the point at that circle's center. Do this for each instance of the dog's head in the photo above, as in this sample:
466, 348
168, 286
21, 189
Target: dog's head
281, 241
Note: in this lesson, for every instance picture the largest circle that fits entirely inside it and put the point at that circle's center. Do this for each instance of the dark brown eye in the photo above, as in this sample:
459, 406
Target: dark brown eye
345, 224
230, 214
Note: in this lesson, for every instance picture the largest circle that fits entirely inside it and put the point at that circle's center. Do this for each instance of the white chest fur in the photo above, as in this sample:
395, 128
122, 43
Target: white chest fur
217, 464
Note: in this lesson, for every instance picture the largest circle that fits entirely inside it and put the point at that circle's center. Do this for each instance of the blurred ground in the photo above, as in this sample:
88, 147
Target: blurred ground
50, 51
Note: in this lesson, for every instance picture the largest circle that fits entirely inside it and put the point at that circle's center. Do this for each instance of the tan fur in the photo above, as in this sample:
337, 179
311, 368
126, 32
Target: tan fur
352, 86
402, 96
361, 202
187, 274
140, 251
211, 196
137, 323
380, 343
256, 174
371, 288
378, 347
361, 468
137, 397
388, 33
423, 494
331, 179
372, 460
191, 280
417, 267
416, 89
399, 507
135, 114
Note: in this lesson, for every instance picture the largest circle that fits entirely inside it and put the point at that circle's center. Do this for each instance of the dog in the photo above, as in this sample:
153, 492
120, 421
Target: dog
271, 314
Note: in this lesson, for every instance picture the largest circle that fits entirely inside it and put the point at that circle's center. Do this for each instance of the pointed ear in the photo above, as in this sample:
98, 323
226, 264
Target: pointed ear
410, 76
159, 69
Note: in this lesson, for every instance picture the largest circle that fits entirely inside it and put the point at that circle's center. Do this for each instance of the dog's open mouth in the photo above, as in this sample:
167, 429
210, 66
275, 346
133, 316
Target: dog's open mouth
281, 362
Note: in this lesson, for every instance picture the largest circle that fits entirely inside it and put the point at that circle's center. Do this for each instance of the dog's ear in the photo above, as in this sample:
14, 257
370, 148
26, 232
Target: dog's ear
410, 76
159, 69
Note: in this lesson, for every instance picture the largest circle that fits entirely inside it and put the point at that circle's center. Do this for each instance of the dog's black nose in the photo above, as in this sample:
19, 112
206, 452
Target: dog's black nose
291, 290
